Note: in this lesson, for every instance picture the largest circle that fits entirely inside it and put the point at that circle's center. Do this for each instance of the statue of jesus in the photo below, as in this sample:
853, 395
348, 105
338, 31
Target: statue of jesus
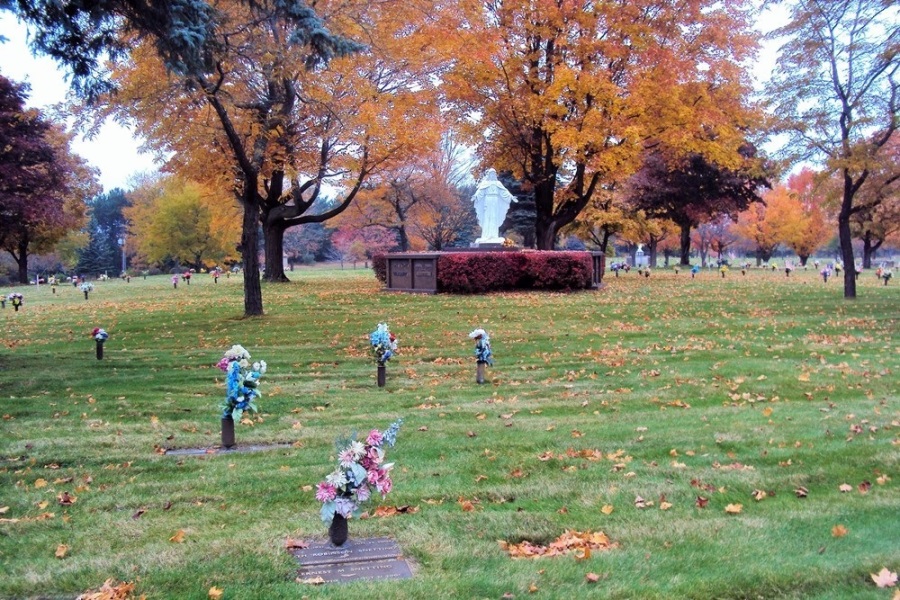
491, 203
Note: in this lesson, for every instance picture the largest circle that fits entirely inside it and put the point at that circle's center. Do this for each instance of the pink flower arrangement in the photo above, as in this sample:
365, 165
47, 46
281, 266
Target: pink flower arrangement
361, 471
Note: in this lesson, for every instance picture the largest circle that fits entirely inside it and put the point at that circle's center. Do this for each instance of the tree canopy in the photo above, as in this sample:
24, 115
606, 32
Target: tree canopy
567, 95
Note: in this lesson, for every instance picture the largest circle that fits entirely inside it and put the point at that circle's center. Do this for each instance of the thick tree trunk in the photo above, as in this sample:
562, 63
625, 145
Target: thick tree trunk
22, 258
652, 245
803, 259
869, 250
274, 239
403, 237
847, 253
253, 304
685, 244
846, 238
545, 235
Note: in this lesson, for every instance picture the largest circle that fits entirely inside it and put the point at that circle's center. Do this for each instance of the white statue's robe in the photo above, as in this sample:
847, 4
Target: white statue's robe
491, 201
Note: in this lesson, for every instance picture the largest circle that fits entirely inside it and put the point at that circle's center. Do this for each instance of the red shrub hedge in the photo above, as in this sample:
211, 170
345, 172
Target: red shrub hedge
479, 272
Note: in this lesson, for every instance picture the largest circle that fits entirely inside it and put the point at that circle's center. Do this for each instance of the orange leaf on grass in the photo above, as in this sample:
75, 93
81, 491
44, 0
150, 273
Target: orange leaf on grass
178, 538
215, 593
292, 543
110, 591
580, 543
839, 531
607, 509
61, 551
592, 578
734, 509
466, 505
391, 511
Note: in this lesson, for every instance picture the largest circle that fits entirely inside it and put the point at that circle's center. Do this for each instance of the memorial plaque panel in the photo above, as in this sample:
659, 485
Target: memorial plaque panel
220, 450
424, 275
391, 568
357, 559
354, 550
399, 274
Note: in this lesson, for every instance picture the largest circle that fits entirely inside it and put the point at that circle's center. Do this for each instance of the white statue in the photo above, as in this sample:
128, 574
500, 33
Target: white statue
491, 203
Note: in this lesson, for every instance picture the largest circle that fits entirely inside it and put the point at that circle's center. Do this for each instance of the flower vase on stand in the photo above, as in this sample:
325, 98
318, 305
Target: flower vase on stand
227, 432
339, 530
479, 372
382, 374
99, 349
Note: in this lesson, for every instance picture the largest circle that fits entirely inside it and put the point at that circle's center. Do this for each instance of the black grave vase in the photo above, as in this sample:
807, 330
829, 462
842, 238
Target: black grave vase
479, 372
227, 432
382, 375
338, 531
99, 349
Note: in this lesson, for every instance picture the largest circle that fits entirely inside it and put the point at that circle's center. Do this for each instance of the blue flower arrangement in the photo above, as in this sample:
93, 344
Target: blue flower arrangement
483, 352
241, 382
384, 343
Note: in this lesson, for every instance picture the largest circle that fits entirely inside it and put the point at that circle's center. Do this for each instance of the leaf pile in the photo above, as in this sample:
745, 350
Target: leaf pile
578, 542
111, 591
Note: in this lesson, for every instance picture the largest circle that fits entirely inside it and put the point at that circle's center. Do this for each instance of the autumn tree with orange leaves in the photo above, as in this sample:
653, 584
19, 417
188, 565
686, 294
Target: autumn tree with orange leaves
271, 123
767, 224
809, 229
566, 95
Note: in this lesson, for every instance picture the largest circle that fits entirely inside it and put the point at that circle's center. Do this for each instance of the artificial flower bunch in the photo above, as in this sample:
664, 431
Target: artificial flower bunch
384, 343
99, 334
361, 472
16, 298
241, 382
87, 286
482, 346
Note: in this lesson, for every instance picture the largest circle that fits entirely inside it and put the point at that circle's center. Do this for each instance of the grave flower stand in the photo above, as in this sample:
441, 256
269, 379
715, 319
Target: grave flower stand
382, 374
99, 349
339, 530
227, 432
479, 372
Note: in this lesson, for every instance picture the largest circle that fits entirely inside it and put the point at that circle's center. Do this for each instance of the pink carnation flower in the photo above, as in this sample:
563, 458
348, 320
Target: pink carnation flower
223, 364
375, 456
373, 476
384, 485
375, 438
325, 492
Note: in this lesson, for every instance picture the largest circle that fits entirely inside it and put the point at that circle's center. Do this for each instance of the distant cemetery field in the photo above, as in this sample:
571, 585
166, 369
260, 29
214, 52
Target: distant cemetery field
732, 437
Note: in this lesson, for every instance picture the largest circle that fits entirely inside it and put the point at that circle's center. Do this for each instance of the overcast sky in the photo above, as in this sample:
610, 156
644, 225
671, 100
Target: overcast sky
114, 151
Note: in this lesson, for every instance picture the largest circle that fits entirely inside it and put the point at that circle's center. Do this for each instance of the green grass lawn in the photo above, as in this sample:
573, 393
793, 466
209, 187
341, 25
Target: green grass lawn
713, 388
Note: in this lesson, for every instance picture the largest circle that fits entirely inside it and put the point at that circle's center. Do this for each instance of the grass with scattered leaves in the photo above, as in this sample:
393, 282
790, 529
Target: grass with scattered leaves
705, 425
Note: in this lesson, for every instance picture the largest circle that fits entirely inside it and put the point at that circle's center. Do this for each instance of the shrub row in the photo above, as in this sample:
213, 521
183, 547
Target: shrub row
479, 272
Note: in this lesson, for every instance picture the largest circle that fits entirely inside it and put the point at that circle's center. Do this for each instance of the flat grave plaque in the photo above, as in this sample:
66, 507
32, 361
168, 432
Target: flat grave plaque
357, 559
322, 553
220, 450
390, 568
